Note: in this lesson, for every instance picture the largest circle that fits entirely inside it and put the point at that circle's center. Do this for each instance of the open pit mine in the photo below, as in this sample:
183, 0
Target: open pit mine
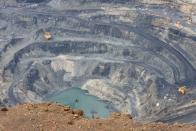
134, 56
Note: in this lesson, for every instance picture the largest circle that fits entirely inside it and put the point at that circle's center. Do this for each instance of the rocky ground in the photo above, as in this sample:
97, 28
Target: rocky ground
51, 117
134, 54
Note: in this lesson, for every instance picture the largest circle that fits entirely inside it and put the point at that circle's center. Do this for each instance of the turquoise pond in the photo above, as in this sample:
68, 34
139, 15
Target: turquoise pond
80, 99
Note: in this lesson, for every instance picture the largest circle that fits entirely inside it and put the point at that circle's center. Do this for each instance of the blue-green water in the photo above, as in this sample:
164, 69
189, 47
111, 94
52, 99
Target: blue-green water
80, 99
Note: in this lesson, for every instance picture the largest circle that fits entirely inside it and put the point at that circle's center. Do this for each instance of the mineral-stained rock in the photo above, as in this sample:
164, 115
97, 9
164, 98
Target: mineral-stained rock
4, 109
78, 112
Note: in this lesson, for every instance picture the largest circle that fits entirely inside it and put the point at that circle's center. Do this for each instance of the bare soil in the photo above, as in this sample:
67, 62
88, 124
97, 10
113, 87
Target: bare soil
52, 117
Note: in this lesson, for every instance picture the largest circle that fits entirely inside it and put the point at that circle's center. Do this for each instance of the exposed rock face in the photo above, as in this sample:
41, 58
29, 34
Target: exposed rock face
134, 54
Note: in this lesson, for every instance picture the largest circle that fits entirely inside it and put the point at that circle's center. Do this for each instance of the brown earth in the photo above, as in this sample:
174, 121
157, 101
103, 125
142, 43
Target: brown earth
51, 117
